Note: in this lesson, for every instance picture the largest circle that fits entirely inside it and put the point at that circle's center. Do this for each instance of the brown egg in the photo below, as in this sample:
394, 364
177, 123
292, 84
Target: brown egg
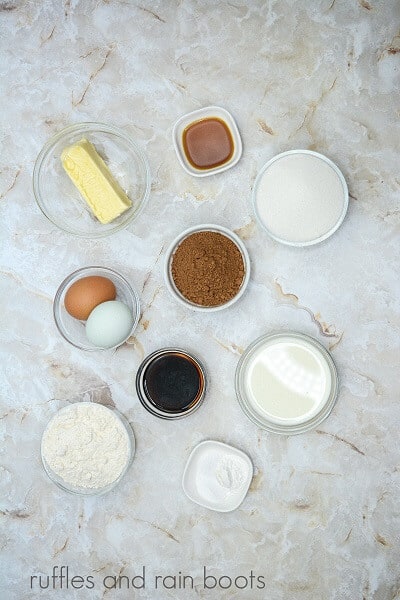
87, 293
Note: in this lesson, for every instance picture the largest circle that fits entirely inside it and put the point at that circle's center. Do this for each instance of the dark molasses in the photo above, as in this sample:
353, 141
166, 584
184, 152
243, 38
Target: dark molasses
171, 381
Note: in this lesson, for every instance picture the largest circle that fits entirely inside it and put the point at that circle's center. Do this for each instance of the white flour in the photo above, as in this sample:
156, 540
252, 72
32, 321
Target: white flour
300, 197
86, 445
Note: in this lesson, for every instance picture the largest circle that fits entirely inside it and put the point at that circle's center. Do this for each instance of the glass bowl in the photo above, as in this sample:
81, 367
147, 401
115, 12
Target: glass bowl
84, 491
169, 280
142, 392
72, 329
59, 199
285, 368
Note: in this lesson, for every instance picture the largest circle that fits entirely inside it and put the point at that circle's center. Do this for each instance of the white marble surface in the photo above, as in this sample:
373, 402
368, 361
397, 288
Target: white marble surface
322, 519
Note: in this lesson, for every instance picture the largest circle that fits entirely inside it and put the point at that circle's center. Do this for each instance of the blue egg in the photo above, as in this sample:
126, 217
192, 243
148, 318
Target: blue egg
109, 324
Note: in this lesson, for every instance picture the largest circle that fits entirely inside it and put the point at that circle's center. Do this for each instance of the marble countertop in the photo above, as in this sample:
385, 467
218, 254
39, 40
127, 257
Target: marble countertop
321, 520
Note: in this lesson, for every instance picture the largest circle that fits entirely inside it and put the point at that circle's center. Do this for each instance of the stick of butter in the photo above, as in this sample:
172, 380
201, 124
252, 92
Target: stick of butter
92, 177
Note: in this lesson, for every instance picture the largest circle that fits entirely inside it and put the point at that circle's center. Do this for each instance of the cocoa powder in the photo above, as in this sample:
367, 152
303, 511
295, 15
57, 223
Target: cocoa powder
208, 268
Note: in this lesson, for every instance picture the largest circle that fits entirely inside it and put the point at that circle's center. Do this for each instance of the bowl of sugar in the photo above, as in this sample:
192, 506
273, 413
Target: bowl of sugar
300, 198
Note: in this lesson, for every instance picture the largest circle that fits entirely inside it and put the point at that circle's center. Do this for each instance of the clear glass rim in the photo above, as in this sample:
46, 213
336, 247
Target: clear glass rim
265, 423
170, 284
65, 283
345, 198
142, 395
90, 126
93, 492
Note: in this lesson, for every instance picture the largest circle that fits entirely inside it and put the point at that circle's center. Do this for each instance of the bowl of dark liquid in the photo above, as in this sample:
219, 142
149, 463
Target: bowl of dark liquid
171, 383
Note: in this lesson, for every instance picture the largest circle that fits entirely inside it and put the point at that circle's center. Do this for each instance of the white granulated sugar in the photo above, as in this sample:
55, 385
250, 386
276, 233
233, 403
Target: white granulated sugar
86, 445
300, 198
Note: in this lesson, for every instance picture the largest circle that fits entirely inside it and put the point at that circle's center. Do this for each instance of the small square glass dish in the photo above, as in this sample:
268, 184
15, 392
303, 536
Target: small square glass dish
217, 476
207, 141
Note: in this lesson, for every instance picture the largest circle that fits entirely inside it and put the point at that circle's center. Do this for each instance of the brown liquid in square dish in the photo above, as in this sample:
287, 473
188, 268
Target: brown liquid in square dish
208, 143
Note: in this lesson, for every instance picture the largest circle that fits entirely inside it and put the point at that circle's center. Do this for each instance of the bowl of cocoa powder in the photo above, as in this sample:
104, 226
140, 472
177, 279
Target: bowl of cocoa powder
207, 268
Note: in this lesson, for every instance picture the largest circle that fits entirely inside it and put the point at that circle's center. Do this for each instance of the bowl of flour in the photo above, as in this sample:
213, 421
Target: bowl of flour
87, 448
300, 198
